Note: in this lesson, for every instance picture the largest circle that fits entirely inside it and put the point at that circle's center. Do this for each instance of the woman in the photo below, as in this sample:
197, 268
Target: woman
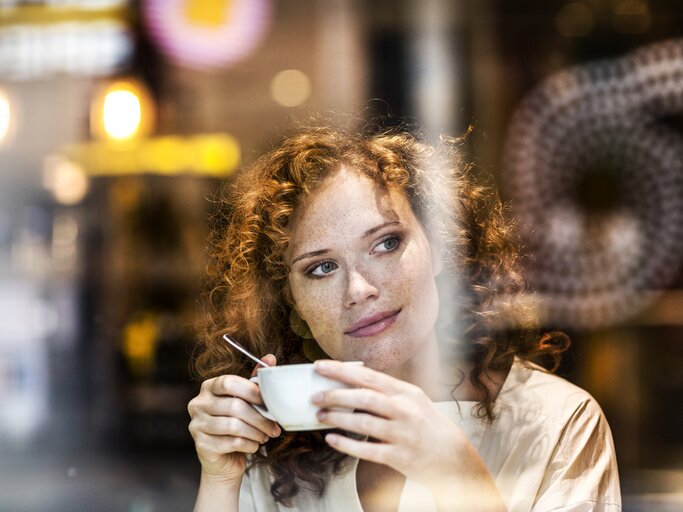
342, 246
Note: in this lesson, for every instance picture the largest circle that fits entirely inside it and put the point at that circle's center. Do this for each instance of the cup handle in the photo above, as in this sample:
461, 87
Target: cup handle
259, 408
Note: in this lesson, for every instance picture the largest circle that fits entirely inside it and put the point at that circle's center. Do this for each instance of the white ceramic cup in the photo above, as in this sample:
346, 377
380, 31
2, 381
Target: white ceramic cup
287, 390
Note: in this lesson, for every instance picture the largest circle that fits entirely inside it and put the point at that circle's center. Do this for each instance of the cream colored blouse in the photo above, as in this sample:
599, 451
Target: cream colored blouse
549, 449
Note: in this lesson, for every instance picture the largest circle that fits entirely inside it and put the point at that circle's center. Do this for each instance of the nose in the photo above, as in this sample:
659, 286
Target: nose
359, 289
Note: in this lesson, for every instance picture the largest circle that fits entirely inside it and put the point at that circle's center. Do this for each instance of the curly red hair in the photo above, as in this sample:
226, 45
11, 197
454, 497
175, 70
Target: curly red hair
250, 299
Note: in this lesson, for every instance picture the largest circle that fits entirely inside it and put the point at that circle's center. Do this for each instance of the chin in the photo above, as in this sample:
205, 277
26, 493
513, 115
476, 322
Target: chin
384, 357
368, 359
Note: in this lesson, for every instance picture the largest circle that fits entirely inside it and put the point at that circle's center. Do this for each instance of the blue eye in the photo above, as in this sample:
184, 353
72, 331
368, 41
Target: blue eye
322, 269
388, 244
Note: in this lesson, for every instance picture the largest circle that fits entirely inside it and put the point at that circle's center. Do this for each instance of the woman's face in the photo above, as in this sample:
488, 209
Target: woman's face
362, 272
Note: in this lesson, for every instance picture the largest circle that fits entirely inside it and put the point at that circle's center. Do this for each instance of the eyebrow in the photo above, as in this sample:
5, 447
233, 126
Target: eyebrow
381, 226
309, 255
369, 232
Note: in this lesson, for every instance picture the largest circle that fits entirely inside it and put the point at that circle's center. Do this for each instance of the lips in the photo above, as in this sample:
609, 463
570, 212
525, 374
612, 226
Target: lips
373, 324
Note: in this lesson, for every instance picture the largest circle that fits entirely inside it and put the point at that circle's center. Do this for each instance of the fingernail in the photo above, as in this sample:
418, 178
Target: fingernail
322, 365
321, 414
317, 397
265, 440
276, 431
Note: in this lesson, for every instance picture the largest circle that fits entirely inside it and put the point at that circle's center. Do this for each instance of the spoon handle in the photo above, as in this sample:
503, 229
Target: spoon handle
245, 351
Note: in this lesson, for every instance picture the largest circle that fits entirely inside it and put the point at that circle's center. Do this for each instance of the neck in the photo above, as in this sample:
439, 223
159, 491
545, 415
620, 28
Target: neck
426, 370
444, 380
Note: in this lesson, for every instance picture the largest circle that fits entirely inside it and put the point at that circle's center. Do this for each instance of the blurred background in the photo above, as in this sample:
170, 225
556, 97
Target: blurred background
120, 119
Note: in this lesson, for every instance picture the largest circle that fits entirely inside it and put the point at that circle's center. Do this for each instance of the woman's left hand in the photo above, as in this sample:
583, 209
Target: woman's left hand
406, 430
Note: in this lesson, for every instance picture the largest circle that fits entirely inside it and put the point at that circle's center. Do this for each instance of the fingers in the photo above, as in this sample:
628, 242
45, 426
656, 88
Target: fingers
233, 385
269, 359
226, 426
209, 443
226, 399
223, 407
360, 399
360, 376
361, 423
373, 452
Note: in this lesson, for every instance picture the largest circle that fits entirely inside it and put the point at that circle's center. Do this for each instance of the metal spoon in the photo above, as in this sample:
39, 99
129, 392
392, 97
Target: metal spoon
245, 351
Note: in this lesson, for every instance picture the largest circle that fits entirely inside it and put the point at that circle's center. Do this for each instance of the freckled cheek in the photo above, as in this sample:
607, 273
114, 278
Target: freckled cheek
413, 284
411, 274
315, 307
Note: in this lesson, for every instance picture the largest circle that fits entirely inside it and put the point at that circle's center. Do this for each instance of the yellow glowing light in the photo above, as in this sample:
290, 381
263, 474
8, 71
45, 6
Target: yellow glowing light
5, 116
290, 88
165, 155
122, 114
215, 154
140, 338
122, 111
211, 14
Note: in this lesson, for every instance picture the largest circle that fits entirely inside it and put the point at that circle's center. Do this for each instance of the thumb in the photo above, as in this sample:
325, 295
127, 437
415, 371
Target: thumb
269, 359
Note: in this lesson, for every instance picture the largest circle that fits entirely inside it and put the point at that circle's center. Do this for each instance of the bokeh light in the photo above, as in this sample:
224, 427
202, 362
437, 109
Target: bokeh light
65, 179
213, 154
122, 111
632, 17
596, 177
122, 114
5, 117
207, 34
290, 88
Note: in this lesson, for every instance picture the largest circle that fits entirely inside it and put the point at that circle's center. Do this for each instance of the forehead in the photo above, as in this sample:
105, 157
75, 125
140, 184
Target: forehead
345, 206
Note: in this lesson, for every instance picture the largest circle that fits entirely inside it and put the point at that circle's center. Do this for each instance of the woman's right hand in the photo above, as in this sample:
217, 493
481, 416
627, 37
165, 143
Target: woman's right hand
225, 427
